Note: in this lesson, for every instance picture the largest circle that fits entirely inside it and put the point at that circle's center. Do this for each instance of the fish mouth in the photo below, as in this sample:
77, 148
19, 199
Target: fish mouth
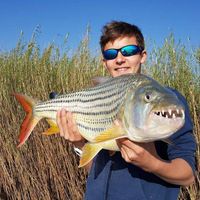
170, 113
161, 124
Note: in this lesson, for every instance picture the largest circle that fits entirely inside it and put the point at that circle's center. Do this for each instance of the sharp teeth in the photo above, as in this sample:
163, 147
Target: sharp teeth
171, 114
157, 113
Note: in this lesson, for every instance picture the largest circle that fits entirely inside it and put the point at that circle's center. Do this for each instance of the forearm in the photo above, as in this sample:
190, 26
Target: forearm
177, 171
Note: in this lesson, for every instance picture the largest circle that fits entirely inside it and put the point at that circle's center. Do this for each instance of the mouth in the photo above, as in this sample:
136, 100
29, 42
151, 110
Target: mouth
170, 113
122, 69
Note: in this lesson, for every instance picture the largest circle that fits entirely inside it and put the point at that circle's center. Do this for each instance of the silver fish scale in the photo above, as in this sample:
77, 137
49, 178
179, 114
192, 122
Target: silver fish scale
94, 108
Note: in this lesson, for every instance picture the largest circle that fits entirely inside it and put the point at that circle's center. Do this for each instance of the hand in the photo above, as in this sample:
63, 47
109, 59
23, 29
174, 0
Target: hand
143, 155
68, 128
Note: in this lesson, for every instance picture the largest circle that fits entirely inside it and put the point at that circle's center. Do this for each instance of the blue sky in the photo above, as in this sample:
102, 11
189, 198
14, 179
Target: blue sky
56, 19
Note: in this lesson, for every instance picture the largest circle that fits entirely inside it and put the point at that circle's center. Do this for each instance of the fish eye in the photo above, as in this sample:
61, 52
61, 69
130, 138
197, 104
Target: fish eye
147, 97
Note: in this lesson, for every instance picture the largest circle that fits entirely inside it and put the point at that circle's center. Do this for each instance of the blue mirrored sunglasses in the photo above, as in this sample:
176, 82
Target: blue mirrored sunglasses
128, 50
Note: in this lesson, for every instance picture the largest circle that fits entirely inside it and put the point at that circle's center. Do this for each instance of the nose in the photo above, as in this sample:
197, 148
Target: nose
120, 58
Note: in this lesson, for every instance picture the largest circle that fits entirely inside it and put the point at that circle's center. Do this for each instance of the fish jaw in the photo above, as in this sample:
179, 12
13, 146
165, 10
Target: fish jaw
160, 125
168, 121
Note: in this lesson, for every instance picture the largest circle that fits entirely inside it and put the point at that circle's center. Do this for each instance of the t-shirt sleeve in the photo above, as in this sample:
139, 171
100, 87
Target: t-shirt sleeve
184, 144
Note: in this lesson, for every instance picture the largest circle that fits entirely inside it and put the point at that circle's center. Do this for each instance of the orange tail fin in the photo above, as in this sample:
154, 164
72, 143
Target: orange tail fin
30, 120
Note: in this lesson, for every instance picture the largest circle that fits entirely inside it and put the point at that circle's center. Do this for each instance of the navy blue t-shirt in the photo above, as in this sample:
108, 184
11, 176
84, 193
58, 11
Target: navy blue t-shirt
111, 178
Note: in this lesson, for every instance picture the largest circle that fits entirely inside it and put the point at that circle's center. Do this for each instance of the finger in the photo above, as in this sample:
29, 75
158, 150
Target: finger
58, 118
137, 147
73, 130
69, 120
130, 154
64, 124
124, 142
124, 154
122, 149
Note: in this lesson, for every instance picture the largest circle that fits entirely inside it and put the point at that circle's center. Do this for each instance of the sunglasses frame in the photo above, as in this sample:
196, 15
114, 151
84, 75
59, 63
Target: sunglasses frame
139, 49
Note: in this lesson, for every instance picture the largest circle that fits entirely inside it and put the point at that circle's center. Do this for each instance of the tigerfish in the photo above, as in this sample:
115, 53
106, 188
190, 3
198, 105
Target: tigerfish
146, 110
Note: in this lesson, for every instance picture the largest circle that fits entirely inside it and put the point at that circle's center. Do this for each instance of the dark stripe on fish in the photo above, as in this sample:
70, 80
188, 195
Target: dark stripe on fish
91, 128
78, 100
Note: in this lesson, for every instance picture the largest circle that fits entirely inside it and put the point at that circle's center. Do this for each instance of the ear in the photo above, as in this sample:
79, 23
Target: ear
144, 57
104, 63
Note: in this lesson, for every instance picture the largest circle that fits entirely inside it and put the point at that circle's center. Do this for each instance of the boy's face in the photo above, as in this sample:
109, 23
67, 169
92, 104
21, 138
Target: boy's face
121, 64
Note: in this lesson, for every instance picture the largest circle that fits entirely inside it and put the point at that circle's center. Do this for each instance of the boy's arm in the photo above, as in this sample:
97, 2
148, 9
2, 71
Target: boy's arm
178, 171
144, 155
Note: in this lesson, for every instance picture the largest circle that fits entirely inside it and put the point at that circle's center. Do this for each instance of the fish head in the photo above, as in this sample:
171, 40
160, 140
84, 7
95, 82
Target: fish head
152, 112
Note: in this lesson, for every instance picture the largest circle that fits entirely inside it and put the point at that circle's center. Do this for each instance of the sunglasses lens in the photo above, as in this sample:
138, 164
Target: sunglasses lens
110, 54
130, 50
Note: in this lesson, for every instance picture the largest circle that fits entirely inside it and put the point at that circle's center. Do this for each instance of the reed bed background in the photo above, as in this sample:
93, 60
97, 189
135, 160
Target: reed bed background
46, 167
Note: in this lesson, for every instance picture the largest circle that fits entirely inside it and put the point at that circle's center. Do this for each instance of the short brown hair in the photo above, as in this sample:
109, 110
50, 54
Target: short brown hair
116, 29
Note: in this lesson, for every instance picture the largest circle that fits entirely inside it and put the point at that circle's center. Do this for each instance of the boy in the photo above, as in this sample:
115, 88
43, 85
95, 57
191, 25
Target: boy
140, 170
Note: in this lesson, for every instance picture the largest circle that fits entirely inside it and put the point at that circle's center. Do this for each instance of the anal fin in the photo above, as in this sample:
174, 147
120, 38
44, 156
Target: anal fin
89, 151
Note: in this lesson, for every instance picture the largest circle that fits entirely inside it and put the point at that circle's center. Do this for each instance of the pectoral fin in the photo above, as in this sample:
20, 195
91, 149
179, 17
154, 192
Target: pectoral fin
90, 150
114, 132
53, 128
